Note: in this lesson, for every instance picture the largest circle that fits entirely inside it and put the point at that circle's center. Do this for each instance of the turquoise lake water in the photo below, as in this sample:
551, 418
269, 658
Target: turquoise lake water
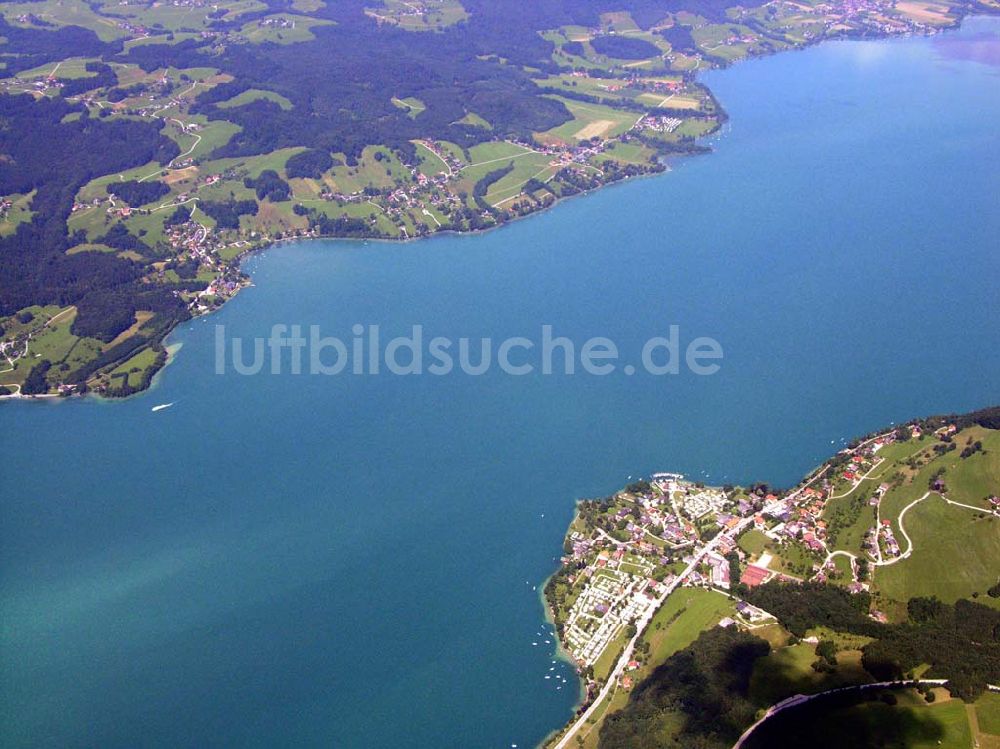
351, 561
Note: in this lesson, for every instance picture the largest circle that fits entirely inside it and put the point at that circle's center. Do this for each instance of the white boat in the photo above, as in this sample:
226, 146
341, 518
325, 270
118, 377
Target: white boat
160, 407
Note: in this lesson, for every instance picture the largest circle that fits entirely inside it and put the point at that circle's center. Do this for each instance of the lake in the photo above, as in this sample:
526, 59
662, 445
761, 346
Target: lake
352, 560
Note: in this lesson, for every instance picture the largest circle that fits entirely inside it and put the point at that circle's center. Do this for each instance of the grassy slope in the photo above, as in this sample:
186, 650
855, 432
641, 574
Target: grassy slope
955, 549
955, 554
686, 614
788, 671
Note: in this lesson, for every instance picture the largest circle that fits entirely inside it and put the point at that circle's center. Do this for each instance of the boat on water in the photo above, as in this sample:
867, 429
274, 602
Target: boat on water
160, 407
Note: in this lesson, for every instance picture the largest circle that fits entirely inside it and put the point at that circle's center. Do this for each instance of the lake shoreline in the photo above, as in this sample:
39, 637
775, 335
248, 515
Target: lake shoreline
239, 259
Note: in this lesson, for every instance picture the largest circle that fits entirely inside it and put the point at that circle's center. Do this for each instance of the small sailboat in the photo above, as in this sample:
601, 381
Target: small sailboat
160, 407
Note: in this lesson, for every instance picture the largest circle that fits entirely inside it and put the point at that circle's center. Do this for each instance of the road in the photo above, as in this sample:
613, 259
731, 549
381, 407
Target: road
902, 529
10, 344
156, 113
640, 626
437, 156
801, 699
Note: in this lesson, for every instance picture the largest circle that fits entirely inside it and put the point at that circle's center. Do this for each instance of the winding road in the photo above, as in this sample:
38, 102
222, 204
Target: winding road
902, 528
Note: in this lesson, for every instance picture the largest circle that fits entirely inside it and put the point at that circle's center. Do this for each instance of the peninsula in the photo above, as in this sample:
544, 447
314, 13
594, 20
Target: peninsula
147, 147
851, 581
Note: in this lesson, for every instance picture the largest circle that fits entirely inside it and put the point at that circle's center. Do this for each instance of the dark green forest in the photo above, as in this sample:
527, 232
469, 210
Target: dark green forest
340, 85
699, 696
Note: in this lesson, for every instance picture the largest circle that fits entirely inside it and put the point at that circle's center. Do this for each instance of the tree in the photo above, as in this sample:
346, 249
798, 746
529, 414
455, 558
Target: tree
924, 609
827, 650
35, 383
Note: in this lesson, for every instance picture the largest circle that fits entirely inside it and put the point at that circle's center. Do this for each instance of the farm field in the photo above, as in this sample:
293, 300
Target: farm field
686, 613
178, 17
422, 15
926, 12
282, 29
256, 94
64, 13
19, 212
589, 121
988, 715
615, 96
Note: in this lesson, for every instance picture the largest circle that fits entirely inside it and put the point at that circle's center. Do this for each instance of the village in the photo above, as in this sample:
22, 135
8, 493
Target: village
626, 120
626, 553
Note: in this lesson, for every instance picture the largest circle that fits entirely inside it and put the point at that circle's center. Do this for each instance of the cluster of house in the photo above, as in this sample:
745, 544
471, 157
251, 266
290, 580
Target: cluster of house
811, 528
191, 237
276, 22
617, 582
219, 287
888, 547
616, 592
851, 15
620, 577
880, 542
661, 124
661, 86
81, 206
433, 190
21, 85
699, 502
180, 3
29, 19
800, 524
454, 165
636, 83
741, 39
134, 30
795, 519
416, 8
734, 39
870, 14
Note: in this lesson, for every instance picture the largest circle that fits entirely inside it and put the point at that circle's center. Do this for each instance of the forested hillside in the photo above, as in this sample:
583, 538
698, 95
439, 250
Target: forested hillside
145, 147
